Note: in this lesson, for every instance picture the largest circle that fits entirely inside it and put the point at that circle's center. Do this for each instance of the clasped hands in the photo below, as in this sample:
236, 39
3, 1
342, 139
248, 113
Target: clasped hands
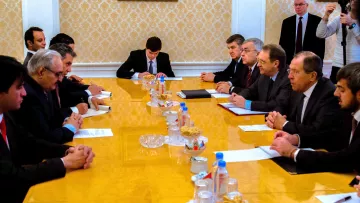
77, 157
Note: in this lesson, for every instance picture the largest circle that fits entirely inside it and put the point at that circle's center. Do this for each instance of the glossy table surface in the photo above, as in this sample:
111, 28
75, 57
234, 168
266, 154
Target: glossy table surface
124, 171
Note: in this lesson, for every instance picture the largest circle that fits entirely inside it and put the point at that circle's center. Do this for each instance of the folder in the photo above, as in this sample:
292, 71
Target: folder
194, 94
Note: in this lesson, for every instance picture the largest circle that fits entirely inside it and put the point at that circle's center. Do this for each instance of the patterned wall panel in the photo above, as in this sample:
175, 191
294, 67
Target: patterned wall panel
277, 10
107, 30
11, 40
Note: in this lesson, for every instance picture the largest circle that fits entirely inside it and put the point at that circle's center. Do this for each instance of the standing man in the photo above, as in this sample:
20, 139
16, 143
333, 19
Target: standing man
145, 62
298, 32
34, 40
272, 88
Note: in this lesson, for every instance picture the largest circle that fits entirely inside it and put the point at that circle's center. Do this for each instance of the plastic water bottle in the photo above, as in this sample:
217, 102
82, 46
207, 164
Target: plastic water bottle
219, 156
162, 85
180, 111
221, 181
185, 118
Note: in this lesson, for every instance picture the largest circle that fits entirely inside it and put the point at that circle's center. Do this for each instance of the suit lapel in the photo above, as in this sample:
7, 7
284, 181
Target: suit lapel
313, 98
144, 64
277, 83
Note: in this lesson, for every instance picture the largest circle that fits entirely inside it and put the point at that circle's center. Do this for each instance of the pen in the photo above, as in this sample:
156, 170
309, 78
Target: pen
344, 199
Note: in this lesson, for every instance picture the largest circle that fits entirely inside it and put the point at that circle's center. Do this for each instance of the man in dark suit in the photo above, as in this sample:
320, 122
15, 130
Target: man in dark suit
298, 32
246, 72
34, 40
22, 155
145, 62
38, 113
344, 160
272, 88
313, 105
74, 95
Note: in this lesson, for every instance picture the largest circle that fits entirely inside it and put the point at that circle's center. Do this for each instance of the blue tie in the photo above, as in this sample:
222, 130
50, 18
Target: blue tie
151, 67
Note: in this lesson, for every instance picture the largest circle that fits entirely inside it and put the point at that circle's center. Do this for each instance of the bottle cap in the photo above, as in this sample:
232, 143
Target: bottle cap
222, 164
219, 155
182, 103
185, 108
162, 79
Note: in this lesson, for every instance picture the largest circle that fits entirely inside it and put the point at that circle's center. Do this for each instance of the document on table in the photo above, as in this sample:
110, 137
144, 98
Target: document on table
217, 94
241, 111
103, 95
259, 153
92, 132
338, 197
92, 111
255, 128
165, 78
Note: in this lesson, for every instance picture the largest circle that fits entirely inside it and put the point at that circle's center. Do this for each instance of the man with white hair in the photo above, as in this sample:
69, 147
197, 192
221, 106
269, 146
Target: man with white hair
38, 114
298, 32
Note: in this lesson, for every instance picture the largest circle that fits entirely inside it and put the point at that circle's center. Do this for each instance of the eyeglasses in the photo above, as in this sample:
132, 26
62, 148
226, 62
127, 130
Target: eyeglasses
299, 4
247, 50
261, 61
57, 74
293, 72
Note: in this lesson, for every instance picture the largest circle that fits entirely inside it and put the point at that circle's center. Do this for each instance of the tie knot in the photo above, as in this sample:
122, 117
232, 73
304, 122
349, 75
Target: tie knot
301, 18
150, 62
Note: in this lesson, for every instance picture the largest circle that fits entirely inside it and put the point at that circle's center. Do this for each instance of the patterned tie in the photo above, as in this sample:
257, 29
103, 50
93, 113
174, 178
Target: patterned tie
248, 78
299, 37
151, 67
58, 95
3, 129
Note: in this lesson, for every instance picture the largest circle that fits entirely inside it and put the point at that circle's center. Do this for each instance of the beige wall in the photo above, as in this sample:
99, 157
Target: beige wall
107, 30
11, 40
277, 10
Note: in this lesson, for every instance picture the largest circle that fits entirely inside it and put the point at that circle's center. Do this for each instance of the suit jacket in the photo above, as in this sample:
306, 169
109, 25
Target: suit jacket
279, 94
310, 43
138, 63
229, 74
39, 116
240, 82
15, 178
345, 160
27, 59
319, 113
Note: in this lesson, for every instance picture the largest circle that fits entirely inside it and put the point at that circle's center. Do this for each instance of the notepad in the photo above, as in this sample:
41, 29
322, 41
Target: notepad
217, 94
336, 197
194, 94
93, 133
103, 95
255, 128
92, 111
240, 111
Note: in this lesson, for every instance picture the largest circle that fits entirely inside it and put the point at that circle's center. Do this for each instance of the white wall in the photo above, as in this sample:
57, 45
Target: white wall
43, 14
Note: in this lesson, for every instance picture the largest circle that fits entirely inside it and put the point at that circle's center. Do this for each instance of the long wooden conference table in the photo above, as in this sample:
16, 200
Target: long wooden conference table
124, 171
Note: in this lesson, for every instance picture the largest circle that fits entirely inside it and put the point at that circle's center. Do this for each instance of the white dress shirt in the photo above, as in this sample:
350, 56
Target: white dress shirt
304, 21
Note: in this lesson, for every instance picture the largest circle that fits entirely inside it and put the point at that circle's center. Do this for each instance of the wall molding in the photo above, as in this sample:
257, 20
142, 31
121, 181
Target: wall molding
181, 69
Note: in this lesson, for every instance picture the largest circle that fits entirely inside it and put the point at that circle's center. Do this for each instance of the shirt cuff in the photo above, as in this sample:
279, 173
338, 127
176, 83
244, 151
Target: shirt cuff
89, 101
88, 92
298, 139
70, 127
62, 161
356, 30
230, 83
296, 153
231, 89
135, 76
248, 104
285, 124
74, 109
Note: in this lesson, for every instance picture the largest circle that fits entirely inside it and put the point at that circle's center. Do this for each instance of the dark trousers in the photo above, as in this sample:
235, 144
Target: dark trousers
334, 71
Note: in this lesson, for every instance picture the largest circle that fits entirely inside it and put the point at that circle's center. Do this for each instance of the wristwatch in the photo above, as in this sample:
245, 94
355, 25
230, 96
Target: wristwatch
352, 26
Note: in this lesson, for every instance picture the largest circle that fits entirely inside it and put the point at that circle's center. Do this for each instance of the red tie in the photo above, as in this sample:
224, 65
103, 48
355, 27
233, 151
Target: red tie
3, 129
248, 79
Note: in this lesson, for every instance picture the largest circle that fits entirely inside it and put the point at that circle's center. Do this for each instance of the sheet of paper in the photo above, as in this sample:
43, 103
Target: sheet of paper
92, 132
172, 78
211, 91
254, 128
270, 152
228, 105
241, 111
220, 95
336, 197
245, 155
93, 112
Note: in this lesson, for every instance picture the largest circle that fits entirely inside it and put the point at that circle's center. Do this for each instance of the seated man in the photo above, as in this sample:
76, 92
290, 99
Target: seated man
313, 104
38, 114
72, 94
34, 40
247, 71
145, 62
344, 160
19, 150
272, 88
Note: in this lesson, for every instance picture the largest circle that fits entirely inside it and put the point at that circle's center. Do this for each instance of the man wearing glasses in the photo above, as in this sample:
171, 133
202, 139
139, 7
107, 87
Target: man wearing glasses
38, 114
312, 106
298, 32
